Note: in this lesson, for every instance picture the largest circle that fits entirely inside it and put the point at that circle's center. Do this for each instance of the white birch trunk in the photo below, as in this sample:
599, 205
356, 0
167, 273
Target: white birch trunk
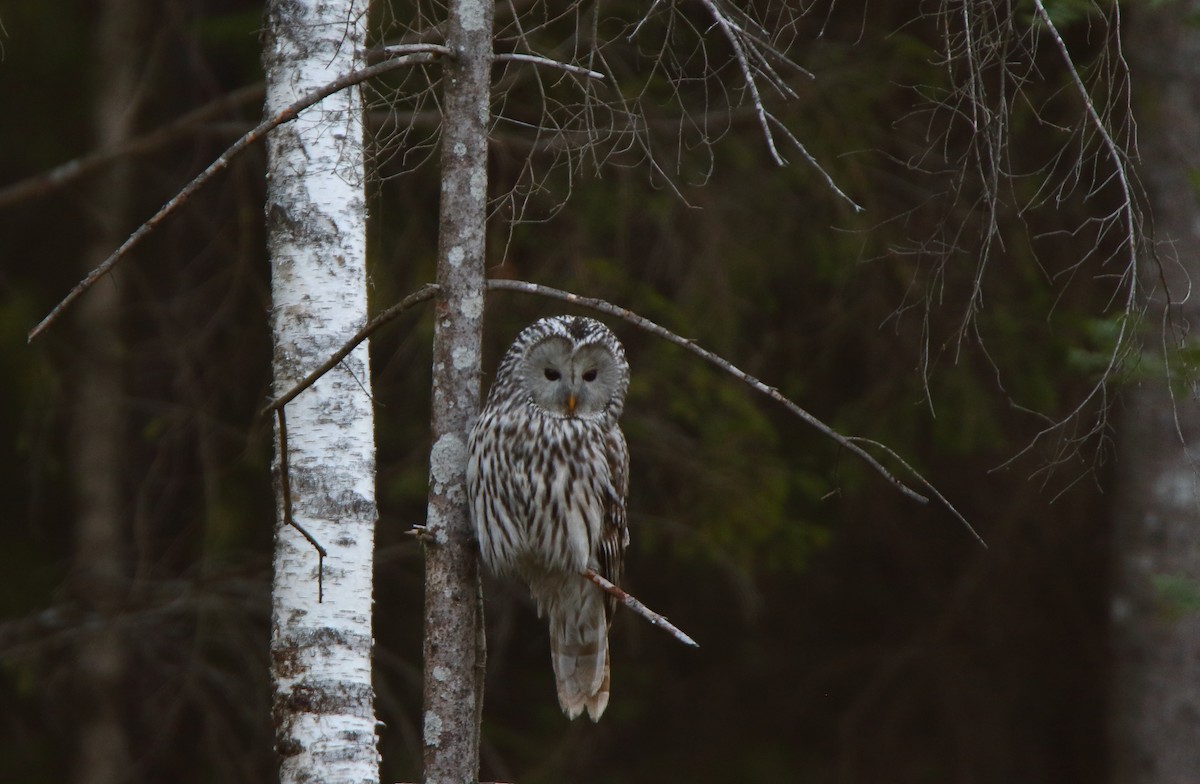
316, 220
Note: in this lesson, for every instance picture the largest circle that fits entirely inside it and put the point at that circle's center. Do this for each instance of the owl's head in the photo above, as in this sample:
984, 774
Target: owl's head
571, 366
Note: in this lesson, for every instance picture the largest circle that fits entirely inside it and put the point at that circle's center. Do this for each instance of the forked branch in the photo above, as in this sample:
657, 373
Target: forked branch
753, 63
739, 51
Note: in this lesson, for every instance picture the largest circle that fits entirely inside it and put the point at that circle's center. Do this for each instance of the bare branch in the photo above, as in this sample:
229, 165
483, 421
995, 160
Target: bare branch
538, 60
813, 162
851, 444
746, 47
1131, 240
633, 34
220, 164
739, 51
928, 485
427, 292
632, 603
285, 489
66, 173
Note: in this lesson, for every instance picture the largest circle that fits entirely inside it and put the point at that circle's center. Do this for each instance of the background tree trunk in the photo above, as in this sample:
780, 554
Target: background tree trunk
98, 416
316, 216
453, 647
1156, 689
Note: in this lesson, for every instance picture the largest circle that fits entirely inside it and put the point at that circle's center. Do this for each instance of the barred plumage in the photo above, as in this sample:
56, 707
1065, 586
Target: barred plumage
547, 473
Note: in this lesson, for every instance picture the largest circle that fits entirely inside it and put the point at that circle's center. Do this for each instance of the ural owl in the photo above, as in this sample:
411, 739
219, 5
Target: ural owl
547, 475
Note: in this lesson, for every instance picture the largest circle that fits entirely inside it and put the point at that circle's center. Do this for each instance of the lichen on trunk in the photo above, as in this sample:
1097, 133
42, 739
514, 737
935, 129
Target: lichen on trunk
453, 635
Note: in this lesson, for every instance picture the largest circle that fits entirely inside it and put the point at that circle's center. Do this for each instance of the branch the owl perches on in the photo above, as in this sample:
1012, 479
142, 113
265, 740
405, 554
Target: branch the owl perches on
853, 444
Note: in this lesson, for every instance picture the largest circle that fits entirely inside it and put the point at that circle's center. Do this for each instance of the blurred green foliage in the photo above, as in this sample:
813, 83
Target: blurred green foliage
1179, 594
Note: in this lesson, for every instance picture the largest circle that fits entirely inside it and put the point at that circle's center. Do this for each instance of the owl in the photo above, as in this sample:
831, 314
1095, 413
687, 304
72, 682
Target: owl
547, 476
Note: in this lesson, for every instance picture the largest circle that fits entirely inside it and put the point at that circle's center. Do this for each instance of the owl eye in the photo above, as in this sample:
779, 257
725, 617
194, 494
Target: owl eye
589, 375
552, 374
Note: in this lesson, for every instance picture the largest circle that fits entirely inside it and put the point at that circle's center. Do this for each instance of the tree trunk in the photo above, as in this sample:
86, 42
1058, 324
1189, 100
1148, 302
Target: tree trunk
453, 622
100, 575
316, 223
1156, 688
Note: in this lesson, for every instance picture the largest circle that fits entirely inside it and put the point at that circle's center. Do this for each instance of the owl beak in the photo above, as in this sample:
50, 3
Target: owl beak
571, 405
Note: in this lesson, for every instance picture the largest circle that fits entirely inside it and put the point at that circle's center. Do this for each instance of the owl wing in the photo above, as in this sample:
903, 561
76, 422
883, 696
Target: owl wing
614, 531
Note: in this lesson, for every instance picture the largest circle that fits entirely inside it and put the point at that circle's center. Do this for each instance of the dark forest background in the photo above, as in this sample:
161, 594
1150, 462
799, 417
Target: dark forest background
847, 634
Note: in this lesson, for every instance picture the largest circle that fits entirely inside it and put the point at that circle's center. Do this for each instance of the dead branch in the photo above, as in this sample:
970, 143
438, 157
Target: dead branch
632, 603
1131, 220
633, 34
285, 489
851, 444
745, 46
891, 453
66, 173
833, 186
578, 70
220, 164
739, 51
423, 294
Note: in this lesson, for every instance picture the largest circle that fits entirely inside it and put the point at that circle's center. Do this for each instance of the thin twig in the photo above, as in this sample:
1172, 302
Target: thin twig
285, 487
739, 51
928, 485
426, 292
578, 70
1131, 221
851, 444
256, 134
760, 40
744, 44
833, 186
66, 173
629, 38
632, 603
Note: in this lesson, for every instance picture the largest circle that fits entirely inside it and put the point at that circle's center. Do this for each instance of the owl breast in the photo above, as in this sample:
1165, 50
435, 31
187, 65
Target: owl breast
539, 486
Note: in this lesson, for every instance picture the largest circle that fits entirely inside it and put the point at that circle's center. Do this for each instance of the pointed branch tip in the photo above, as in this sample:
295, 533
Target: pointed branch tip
632, 603
578, 70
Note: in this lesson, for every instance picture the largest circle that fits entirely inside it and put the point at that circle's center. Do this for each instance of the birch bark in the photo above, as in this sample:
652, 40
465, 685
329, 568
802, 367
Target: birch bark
316, 222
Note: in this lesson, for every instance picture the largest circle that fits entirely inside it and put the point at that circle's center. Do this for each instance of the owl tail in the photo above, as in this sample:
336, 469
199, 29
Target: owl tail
579, 648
